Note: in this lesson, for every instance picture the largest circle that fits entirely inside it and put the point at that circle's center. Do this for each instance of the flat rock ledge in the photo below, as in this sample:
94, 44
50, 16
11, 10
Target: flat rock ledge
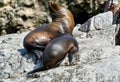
98, 59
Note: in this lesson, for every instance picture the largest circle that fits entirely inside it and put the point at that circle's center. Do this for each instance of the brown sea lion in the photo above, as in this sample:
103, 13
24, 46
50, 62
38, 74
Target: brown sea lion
56, 51
63, 22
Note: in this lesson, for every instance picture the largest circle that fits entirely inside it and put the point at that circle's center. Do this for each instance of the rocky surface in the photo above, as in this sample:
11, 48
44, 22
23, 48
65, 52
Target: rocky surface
98, 59
18, 16
97, 22
23, 15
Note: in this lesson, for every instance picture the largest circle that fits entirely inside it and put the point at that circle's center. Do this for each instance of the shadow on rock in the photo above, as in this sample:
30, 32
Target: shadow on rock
31, 58
27, 55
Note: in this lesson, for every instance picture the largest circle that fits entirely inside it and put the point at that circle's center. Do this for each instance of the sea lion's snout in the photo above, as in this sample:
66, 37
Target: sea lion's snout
53, 6
51, 2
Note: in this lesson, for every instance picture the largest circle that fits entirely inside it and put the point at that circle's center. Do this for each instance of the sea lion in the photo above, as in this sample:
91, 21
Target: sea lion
63, 22
56, 50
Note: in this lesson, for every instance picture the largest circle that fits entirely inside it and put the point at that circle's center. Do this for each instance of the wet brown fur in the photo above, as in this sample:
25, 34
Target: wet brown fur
63, 22
56, 51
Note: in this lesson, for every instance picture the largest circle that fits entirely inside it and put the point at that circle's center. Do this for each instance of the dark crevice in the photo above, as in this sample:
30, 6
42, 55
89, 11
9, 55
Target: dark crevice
24, 18
83, 11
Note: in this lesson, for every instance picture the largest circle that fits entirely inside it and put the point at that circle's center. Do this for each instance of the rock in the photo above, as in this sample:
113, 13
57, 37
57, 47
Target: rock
4, 2
20, 2
103, 20
35, 9
28, 3
2, 22
12, 61
75, 30
96, 61
27, 12
98, 26
16, 22
28, 25
15, 14
19, 21
3, 32
97, 22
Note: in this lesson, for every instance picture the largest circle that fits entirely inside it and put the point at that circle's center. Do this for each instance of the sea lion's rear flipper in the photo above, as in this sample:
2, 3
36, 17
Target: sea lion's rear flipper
35, 45
70, 59
32, 74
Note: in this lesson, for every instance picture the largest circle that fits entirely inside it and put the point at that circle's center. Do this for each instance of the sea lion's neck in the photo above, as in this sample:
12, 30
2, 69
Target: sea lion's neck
58, 14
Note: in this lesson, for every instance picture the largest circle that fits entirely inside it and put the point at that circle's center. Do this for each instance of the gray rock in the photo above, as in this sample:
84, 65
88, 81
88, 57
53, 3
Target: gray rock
28, 3
96, 61
99, 28
75, 30
17, 21
4, 2
28, 12
2, 22
97, 22
103, 20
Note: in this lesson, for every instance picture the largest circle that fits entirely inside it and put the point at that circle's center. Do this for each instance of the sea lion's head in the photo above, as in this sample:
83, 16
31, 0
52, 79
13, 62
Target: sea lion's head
56, 11
53, 7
